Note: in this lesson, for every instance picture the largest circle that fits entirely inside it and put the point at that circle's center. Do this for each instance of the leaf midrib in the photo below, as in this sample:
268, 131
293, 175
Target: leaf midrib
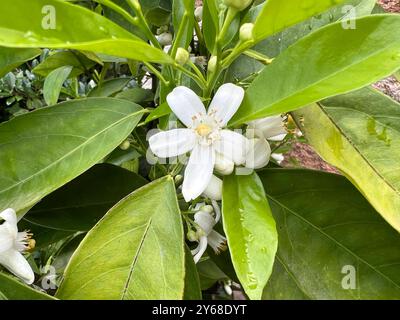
88, 141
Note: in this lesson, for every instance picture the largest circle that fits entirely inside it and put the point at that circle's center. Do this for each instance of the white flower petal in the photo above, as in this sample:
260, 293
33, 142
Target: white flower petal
10, 221
258, 154
205, 221
232, 145
277, 138
17, 264
198, 172
278, 157
223, 165
6, 239
226, 102
172, 143
201, 249
217, 210
186, 105
216, 241
214, 189
268, 127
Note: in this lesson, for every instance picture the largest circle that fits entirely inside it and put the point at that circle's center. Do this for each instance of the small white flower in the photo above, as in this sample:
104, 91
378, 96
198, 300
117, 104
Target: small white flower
204, 135
258, 132
208, 236
12, 243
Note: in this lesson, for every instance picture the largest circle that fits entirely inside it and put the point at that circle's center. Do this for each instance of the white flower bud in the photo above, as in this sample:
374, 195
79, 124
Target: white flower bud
212, 64
198, 13
207, 208
278, 157
182, 56
246, 32
165, 38
214, 189
125, 145
238, 4
258, 155
192, 236
205, 221
223, 165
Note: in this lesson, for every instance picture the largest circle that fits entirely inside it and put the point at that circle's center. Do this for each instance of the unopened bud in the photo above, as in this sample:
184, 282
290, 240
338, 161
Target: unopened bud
125, 145
165, 38
239, 5
198, 13
223, 165
212, 64
182, 56
178, 179
207, 208
246, 32
192, 236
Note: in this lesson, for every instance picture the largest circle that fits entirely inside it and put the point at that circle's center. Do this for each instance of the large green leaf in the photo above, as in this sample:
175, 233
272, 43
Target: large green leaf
250, 230
11, 58
360, 134
12, 289
42, 150
62, 213
192, 281
326, 228
21, 26
341, 60
109, 88
277, 15
210, 22
135, 252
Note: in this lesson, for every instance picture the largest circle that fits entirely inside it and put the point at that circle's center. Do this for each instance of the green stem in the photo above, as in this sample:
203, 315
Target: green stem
197, 71
156, 72
199, 33
142, 23
200, 81
258, 56
119, 10
179, 34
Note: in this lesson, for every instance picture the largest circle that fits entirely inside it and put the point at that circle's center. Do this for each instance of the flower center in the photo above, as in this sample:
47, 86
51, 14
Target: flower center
203, 130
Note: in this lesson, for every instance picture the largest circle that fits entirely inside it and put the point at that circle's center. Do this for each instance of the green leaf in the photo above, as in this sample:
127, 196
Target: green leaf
277, 15
397, 75
135, 252
209, 274
95, 32
99, 189
326, 228
137, 95
343, 60
42, 150
192, 281
109, 88
78, 61
12, 289
361, 137
183, 8
53, 84
161, 111
157, 12
210, 22
250, 230
10, 58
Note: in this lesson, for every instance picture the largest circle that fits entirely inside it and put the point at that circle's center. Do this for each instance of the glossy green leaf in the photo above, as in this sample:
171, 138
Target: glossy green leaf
209, 274
332, 243
63, 212
53, 24
109, 88
157, 12
361, 137
12, 289
210, 22
137, 95
250, 230
135, 252
181, 9
42, 150
78, 61
192, 281
277, 15
10, 58
342, 60
397, 75
53, 84
161, 111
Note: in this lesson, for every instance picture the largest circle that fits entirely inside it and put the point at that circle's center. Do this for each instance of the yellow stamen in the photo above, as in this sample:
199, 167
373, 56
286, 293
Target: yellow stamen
31, 244
203, 130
